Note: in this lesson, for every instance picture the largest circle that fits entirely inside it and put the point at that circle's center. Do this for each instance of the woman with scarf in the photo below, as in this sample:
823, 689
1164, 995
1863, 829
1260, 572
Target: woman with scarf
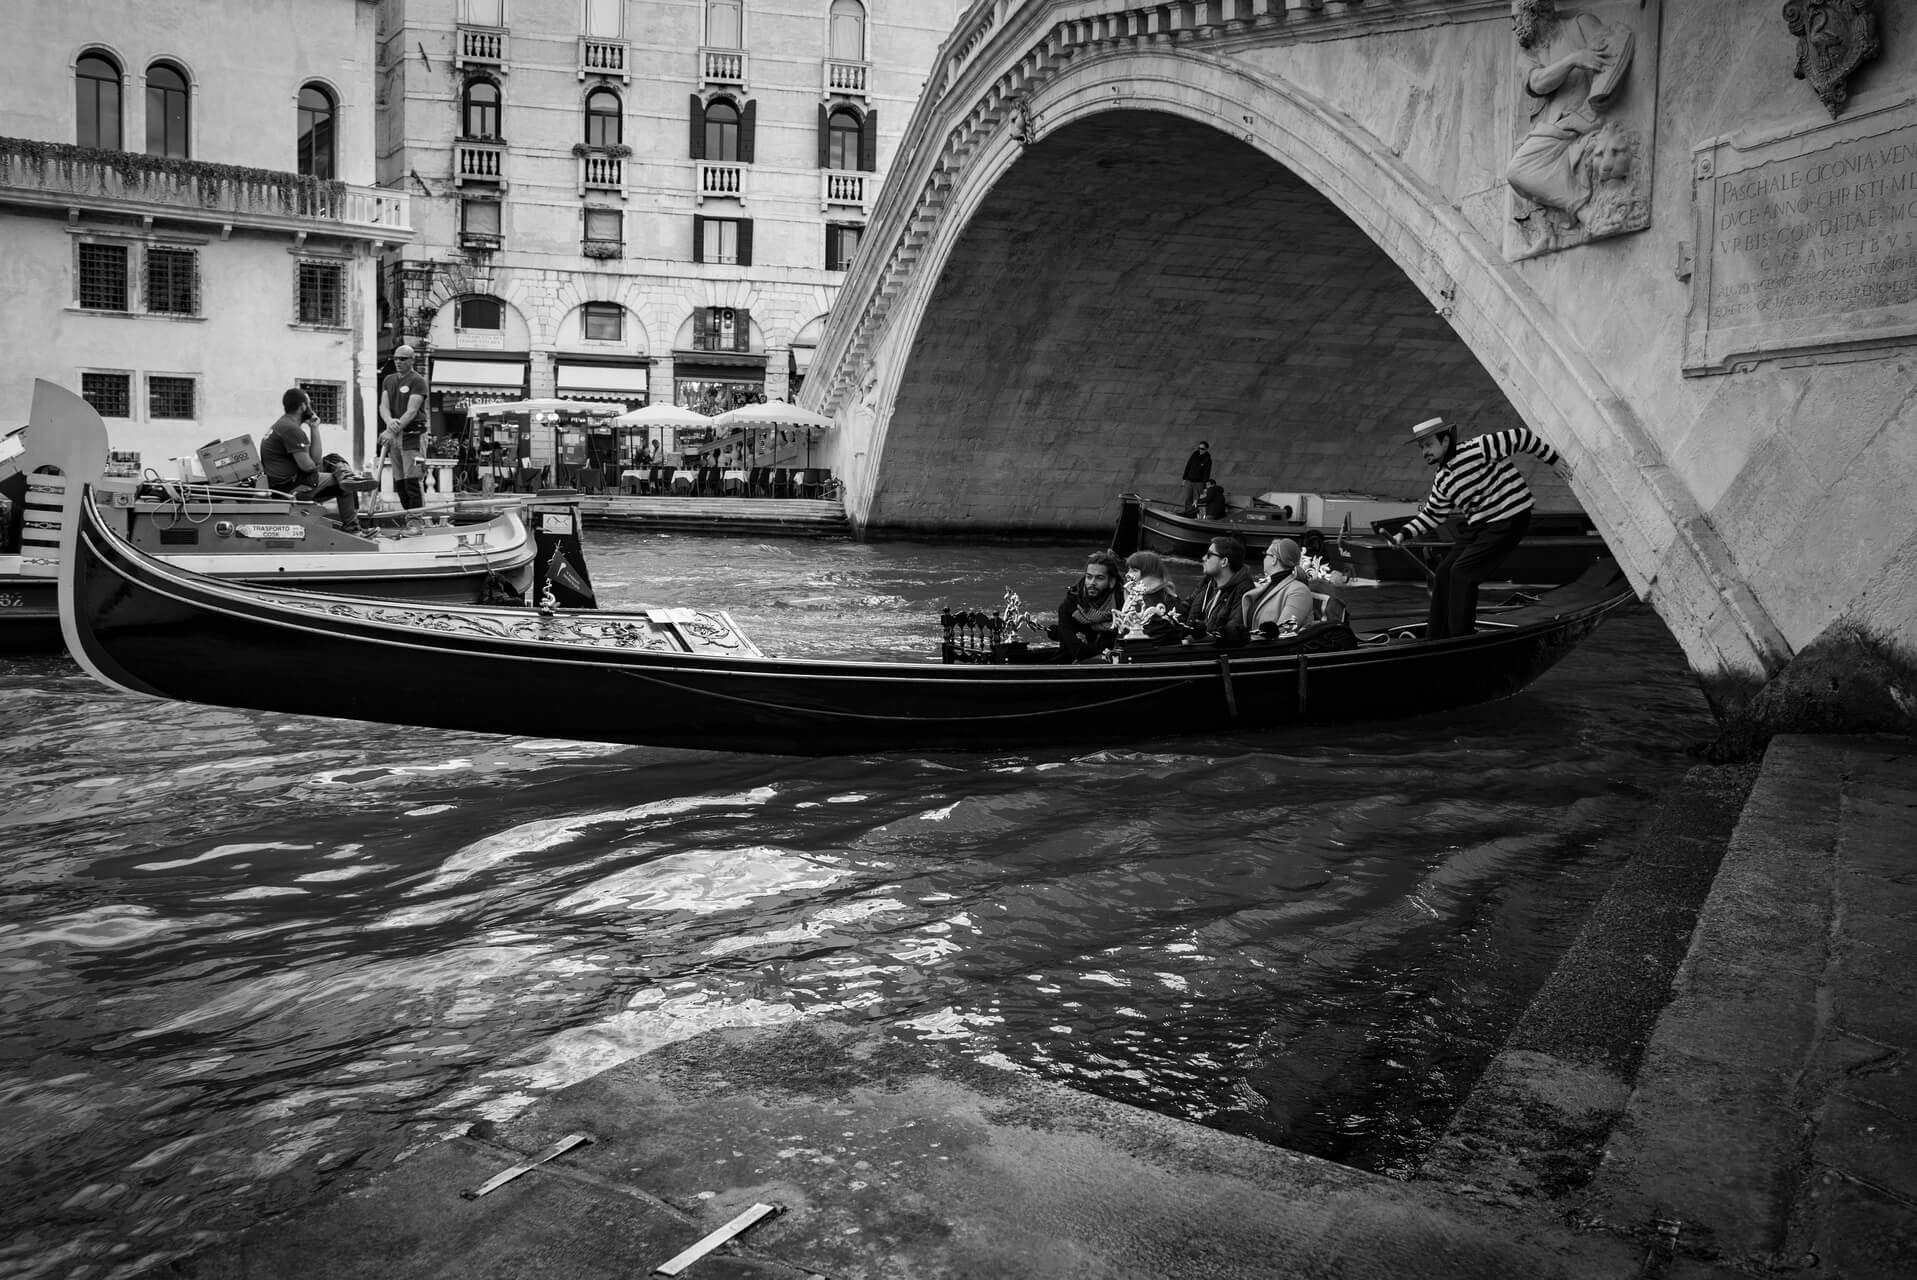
1280, 603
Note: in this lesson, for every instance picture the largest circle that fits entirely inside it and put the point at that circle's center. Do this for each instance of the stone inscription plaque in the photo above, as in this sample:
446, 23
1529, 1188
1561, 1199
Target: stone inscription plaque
1805, 244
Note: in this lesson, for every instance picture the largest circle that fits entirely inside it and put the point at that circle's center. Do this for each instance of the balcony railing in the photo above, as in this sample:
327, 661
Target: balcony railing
604, 172
721, 180
838, 187
723, 67
481, 47
479, 162
61, 175
603, 58
846, 78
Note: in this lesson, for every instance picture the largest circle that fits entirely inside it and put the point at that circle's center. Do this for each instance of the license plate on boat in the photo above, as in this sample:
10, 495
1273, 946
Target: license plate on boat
295, 532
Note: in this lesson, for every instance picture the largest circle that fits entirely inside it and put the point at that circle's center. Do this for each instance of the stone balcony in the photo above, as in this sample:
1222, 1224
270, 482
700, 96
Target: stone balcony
727, 180
603, 58
846, 189
722, 68
479, 161
598, 172
61, 176
488, 47
846, 79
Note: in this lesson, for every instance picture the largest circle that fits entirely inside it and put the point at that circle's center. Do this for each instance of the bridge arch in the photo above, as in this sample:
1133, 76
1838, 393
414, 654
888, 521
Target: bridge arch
971, 396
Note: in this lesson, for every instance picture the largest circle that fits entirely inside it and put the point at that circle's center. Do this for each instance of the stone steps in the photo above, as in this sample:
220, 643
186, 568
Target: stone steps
764, 517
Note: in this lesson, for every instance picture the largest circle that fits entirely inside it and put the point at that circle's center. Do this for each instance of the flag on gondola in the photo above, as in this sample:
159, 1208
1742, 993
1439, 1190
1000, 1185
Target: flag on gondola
569, 587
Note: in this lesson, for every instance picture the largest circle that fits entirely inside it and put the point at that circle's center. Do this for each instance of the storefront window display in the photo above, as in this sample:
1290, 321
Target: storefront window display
714, 398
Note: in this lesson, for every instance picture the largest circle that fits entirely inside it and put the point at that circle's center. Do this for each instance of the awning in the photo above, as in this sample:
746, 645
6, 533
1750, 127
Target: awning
603, 382
477, 373
716, 360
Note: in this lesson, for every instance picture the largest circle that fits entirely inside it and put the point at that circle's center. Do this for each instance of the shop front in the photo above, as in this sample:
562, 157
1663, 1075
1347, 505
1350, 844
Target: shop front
462, 382
594, 452
711, 383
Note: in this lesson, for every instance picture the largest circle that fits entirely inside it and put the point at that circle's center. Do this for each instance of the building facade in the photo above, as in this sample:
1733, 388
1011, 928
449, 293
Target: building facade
188, 217
637, 201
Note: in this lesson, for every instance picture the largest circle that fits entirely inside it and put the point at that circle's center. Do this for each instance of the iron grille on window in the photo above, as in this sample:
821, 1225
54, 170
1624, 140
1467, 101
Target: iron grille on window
173, 281
169, 397
322, 293
110, 394
325, 397
103, 277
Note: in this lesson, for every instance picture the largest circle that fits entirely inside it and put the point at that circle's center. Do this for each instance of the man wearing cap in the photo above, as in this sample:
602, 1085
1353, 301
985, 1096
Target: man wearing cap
402, 408
1492, 502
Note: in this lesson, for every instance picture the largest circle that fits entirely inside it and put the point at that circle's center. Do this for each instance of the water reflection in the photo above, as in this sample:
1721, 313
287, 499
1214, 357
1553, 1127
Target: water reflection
247, 955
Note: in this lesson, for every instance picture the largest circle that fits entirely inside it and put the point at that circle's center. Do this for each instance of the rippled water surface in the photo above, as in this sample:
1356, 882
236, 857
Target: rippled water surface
249, 955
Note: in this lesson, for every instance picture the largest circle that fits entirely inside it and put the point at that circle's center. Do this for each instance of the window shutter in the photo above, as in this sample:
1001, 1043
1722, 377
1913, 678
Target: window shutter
746, 119
742, 324
831, 243
745, 242
869, 143
698, 241
825, 138
698, 128
701, 327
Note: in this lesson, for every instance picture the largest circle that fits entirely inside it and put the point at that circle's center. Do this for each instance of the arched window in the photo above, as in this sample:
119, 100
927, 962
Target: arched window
96, 113
848, 31
602, 118
842, 139
723, 24
166, 100
316, 155
480, 109
722, 130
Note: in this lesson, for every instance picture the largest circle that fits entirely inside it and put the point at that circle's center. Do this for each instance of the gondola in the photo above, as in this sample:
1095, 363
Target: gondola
235, 532
688, 678
1560, 546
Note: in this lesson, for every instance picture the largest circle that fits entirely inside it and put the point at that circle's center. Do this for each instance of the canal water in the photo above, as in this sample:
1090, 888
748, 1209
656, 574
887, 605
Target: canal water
248, 957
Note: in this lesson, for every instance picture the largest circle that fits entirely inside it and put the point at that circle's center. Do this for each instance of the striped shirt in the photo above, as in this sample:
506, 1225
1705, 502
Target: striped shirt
1475, 482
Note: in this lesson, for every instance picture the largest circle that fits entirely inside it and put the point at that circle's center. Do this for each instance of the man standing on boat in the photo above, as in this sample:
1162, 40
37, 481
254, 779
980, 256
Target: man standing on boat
402, 408
1493, 504
1197, 472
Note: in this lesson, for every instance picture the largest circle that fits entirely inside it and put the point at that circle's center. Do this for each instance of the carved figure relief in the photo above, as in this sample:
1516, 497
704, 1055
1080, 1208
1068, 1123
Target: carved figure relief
1580, 170
1834, 38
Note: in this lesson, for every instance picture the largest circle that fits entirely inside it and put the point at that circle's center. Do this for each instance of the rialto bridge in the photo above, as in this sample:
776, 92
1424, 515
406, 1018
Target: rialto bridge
1295, 227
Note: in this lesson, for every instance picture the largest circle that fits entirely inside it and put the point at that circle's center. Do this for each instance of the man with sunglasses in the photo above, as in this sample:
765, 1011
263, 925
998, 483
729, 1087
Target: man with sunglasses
1213, 611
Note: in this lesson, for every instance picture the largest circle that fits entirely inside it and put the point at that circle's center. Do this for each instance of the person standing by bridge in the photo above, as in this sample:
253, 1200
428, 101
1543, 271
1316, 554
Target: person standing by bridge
1197, 472
1476, 484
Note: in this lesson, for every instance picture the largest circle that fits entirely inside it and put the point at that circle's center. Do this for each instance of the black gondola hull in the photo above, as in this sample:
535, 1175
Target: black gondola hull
140, 625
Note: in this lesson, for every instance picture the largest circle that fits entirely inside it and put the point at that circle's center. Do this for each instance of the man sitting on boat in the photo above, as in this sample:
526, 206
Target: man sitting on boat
1476, 483
1213, 612
287, 457
1086, 622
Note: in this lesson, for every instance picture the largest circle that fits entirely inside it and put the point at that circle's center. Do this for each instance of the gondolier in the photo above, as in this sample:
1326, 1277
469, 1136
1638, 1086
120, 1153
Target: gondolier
1476, 484
402, 410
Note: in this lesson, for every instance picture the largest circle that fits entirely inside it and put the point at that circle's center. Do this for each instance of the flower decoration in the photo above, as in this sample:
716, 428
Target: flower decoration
1132, 616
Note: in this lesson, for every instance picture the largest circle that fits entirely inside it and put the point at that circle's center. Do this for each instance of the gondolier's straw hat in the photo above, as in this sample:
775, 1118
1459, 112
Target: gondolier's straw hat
1430, 426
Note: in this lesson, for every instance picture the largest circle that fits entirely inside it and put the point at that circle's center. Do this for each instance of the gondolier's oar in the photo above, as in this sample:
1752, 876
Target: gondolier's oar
1430, 578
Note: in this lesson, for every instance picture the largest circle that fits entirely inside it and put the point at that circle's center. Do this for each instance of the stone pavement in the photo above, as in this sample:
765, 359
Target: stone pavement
1741, 1101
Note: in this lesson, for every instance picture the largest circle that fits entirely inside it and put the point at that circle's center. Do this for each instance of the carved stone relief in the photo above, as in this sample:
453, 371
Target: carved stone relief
1585, 85
1834, 38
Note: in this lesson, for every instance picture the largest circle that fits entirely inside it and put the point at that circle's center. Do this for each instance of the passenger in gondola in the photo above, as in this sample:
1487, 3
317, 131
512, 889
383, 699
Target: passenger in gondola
1147, 589
1212, 614
1279, 604
1086, 622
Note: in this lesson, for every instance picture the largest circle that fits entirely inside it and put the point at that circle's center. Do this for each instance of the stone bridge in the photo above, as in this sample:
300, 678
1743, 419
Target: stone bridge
1295, 227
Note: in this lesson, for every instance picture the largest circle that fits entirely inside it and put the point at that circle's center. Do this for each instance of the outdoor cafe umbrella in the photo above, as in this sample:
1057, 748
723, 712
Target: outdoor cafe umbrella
550, 408
659, 416
776, 413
